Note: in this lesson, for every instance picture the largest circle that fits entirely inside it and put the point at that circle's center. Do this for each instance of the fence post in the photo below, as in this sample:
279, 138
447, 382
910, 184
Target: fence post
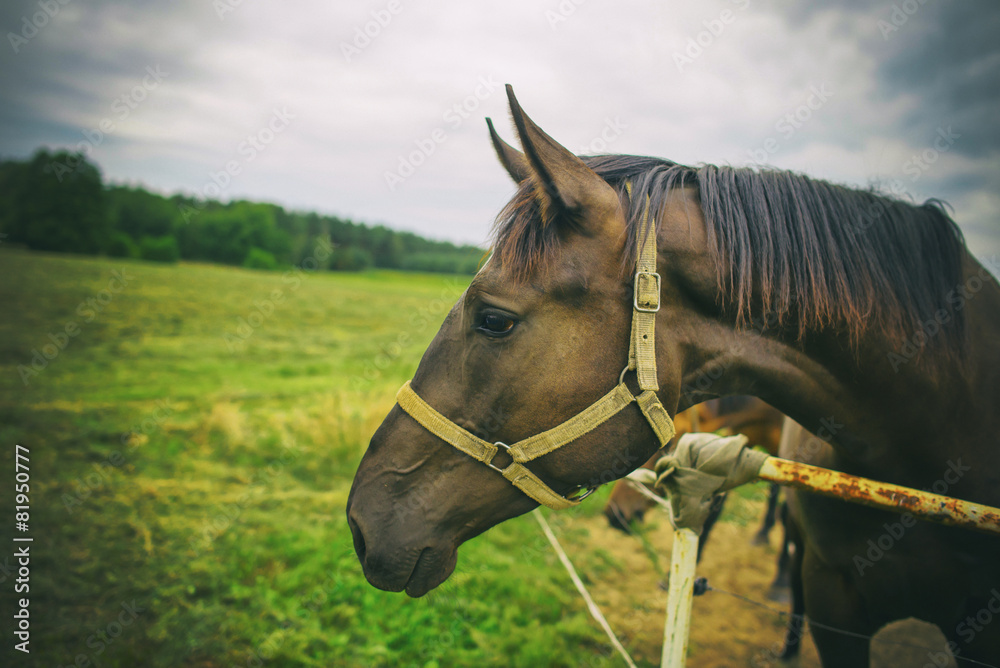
680, 589
680, 593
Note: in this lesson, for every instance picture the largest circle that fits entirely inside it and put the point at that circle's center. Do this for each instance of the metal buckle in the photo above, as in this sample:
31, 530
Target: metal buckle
578, 499
635, 292
505, 447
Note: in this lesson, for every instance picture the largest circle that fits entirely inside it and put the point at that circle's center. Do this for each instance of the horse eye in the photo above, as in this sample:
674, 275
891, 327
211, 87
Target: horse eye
496, 324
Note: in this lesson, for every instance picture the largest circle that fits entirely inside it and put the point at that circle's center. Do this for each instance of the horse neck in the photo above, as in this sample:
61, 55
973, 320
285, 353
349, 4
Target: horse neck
877, 415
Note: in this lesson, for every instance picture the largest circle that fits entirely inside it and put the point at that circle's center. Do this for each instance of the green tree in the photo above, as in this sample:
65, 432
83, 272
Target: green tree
55, 202
259, 259
140, 213
386, 247
350, 258
159, 249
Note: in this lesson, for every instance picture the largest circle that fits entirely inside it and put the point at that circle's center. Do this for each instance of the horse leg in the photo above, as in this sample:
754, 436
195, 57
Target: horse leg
778, 591
834, 602
616, 516
770, 516
718, 502
793, 572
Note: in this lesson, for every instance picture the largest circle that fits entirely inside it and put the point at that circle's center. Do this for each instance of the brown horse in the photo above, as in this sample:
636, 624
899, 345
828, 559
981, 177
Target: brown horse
861, 317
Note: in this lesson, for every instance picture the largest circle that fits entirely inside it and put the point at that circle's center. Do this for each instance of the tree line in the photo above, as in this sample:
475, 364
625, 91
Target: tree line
58, 201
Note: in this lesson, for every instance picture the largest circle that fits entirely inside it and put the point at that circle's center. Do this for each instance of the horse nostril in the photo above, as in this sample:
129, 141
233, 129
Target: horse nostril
359, 539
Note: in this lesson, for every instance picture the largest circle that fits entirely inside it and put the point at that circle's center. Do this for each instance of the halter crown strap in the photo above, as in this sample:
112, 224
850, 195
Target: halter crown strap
641, 359
645, 304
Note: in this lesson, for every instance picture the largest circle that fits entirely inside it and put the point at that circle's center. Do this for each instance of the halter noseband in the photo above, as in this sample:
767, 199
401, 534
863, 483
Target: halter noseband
641, 359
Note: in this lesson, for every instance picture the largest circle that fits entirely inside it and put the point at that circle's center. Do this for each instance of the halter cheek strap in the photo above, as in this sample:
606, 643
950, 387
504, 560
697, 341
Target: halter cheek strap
641, 359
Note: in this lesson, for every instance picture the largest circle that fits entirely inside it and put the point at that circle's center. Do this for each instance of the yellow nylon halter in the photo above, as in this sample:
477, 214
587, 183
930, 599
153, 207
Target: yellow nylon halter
641, 359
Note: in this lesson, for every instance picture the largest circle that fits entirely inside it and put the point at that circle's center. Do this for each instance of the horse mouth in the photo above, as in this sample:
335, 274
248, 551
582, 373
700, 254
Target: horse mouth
397, 564
431, 569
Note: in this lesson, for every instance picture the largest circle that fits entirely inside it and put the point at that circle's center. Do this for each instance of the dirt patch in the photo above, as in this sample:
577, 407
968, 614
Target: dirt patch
726, 631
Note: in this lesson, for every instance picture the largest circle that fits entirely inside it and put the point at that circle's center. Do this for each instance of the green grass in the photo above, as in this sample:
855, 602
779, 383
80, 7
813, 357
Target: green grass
192, 445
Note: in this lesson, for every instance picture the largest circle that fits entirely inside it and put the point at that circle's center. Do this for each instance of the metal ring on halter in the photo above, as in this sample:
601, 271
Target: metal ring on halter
500, 445
621, 378
590, 490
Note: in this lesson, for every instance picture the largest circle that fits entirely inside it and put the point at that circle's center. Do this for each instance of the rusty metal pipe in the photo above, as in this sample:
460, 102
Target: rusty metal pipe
925, 505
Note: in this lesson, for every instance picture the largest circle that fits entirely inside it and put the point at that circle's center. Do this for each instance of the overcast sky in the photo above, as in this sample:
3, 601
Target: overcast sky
307, 110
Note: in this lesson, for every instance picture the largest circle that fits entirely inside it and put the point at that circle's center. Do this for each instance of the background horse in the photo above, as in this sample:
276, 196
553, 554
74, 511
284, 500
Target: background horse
863, 318
730, 415
762, 425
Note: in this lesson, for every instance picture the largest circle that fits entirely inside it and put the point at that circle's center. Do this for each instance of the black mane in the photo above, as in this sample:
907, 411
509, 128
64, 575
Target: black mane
815, 254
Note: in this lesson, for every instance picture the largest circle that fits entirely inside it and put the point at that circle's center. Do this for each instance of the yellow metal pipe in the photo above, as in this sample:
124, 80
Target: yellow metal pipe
927, 506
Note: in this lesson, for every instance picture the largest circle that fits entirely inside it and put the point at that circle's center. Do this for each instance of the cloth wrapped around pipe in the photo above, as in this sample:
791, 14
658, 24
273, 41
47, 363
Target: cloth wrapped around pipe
701, 466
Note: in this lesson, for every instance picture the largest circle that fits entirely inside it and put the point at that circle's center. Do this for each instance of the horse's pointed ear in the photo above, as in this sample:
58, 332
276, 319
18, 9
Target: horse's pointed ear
563, 182
512, 160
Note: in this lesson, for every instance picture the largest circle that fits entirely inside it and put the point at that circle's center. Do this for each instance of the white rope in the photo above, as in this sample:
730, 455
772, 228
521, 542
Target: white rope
594, 610
663, 503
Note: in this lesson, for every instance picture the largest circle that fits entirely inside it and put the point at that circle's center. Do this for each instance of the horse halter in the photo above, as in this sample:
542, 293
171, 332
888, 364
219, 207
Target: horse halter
641, 359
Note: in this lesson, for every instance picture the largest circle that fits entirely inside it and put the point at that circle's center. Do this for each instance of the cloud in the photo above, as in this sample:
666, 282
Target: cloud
369, 84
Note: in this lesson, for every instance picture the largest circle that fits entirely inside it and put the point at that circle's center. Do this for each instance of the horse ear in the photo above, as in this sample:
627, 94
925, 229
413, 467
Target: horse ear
563, 182
512, 160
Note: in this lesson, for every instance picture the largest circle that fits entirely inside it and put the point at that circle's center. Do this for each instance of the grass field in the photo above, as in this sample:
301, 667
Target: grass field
193, 433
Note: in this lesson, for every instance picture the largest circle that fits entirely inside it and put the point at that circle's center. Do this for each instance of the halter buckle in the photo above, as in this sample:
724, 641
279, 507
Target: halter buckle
641, 276
505, 448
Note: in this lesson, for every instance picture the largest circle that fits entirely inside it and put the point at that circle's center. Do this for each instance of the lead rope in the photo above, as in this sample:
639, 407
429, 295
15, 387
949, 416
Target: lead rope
591, 606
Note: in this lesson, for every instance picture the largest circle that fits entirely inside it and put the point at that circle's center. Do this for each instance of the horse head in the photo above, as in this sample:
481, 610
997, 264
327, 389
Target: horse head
539, 337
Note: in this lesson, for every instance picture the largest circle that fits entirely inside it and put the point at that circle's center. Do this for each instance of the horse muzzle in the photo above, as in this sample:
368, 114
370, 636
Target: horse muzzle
397, 555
